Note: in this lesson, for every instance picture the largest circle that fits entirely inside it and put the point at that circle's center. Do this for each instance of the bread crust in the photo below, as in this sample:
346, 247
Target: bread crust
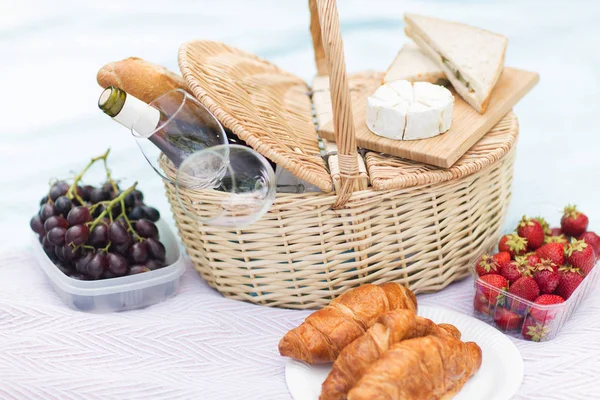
325, 333
140, 78
479, 101
430, 367
356, 358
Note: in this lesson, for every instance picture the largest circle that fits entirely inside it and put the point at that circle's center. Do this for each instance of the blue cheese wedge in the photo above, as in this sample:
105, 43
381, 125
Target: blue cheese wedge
401, 110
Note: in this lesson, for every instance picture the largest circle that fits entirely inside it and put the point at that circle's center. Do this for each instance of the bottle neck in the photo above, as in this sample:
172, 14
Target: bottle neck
137, 116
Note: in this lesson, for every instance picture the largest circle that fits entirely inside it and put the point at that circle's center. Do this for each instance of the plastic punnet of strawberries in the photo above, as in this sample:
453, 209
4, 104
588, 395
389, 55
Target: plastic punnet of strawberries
536, 268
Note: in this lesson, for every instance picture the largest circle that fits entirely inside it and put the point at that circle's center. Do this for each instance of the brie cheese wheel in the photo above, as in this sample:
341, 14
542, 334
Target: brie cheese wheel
402, 110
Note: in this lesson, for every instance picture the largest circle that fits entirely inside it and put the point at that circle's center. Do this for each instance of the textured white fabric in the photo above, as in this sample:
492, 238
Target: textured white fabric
199, 345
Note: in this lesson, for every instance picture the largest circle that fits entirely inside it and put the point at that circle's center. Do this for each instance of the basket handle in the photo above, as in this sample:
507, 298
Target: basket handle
329, 57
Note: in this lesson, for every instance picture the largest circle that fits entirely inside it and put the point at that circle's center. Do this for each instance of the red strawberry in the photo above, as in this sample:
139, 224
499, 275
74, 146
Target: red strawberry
513, 244
507, 320
570, 278
525, 287
544, 224
535, 331
593, 240
502, 258
554, 252
573, 222
532, 231
486, 265
547, 277
562, 239
581, 255
480, 304
555, 232
493, 288
515, 269
544, 314
532, 259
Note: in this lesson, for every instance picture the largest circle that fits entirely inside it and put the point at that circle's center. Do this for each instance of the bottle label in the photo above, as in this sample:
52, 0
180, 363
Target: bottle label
138, 116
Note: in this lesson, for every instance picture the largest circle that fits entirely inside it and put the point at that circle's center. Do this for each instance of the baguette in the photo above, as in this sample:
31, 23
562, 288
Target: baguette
140, 78
323, 335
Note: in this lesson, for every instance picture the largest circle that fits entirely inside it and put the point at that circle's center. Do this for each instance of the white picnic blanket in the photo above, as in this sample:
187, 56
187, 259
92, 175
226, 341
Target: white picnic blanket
199, 345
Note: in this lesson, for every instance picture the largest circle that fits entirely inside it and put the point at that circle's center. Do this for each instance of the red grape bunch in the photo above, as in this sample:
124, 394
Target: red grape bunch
101, 232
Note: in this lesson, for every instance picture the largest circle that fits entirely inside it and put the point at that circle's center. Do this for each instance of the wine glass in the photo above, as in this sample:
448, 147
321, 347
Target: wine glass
177, 125
227, 185
216, 183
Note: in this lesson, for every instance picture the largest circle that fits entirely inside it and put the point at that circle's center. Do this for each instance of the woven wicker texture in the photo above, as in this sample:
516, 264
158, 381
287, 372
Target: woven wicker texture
341, 102
265, 106
302, 253
305, 251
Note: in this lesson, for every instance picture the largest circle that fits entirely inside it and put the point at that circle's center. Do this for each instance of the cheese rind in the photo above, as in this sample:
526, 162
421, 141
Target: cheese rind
436, 97
422, 122
387, 118
401, 110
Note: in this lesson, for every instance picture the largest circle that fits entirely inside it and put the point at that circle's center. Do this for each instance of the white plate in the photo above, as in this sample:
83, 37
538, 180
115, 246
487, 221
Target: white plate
499, 377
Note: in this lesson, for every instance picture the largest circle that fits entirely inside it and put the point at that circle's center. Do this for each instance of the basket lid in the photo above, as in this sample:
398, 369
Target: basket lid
468, 126
388, 172
267, 107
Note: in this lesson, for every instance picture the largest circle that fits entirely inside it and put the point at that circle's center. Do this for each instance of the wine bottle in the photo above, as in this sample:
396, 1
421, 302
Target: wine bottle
179, 138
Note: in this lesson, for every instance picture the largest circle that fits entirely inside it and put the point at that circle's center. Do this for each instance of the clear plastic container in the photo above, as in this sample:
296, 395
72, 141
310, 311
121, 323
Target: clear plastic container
533, 321
118, 294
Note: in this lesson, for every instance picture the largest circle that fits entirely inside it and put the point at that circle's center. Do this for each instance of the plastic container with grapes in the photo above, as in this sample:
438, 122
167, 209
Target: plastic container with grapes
118, 294
533, 321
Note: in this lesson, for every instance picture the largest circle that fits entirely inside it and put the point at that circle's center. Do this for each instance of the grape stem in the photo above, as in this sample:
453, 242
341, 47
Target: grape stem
109, 178
110, 205
138, 237
93, 207
72, 192
105, 249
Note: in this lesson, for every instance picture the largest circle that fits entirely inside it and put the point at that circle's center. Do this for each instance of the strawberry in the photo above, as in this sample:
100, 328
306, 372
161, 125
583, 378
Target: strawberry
532, 231
493, 288
562, 239
486, 265
544, 314
502, 258
570, 278
481, 305
544, 224
532, 259
555, 232
534, 331
547, 277
593, 240
513, 244
581, 255
525, 287
515, 270
554, 252
507, 320
573, 222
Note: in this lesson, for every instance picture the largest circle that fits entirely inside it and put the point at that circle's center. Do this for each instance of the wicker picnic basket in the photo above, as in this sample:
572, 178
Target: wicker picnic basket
415, 224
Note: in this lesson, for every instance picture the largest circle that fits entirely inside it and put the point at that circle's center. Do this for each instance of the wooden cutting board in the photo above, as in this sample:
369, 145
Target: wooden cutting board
468, 125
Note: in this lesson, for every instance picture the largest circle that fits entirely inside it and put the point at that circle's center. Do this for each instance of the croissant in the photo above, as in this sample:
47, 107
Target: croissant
355, 359
321, 337
430, 367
